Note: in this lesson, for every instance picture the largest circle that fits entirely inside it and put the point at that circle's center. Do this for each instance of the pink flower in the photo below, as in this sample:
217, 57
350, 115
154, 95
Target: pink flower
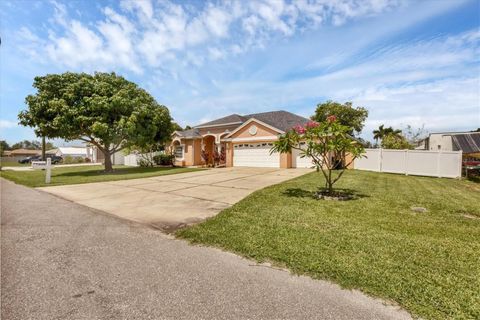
331, 118
299, 129
311, 124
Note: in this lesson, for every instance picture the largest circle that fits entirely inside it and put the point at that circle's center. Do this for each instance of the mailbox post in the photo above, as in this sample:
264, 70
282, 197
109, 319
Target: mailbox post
44, 165
48, 170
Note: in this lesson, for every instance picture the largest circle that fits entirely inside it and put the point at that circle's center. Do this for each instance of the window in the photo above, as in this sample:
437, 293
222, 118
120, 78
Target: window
179, 152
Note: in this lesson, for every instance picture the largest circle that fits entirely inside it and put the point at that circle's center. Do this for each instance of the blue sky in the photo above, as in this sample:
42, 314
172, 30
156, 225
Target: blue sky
407, 62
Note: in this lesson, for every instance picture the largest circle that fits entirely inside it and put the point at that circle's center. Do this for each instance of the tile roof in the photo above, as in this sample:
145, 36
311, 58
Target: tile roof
282, 120
468, 142
25, 151
228, 119
191, 133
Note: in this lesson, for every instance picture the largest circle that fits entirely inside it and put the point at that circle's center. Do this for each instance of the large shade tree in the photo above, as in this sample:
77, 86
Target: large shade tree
346, 114
103, 109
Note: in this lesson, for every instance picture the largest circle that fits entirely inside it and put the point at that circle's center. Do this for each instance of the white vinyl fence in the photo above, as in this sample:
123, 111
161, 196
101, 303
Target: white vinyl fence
131, 160
446, 164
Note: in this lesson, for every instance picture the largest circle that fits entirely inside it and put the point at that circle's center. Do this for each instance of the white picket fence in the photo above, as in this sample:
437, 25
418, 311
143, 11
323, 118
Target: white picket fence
446, 164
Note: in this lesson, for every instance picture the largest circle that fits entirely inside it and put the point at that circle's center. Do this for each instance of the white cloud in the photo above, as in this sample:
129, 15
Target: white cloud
6, 124
143, 7
146, 34
433, 82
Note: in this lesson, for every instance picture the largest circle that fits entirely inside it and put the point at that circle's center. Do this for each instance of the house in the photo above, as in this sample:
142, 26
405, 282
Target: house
97, 156
21, 153
74, 152
467, 142
240, 140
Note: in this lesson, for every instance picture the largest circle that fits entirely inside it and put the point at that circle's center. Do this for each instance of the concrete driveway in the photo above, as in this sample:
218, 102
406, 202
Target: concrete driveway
61, 260
171, 201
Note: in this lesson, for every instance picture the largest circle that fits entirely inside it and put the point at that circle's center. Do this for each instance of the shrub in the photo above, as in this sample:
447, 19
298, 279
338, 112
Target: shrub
72, 160
68, 160
144, 163
164, 159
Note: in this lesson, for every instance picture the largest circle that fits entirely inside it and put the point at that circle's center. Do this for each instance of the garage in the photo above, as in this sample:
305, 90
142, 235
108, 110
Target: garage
298, 161
255, 155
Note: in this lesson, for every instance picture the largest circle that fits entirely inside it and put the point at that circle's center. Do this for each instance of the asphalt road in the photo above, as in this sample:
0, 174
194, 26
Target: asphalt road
60, 260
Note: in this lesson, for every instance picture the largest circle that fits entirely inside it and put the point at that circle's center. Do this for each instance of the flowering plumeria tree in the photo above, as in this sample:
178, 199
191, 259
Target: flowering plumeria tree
326, 143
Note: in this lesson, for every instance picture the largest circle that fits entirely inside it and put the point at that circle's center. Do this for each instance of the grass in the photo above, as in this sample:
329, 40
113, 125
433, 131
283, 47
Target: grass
86, 174
429, 263
14, 164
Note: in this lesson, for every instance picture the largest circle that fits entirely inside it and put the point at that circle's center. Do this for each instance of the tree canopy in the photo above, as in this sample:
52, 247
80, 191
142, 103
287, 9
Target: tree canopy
4, 146
103, 109
382, 132
346, 114
31, 145
395, 141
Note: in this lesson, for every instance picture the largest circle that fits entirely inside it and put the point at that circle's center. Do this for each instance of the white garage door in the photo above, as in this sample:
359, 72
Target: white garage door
298, 161
255, 155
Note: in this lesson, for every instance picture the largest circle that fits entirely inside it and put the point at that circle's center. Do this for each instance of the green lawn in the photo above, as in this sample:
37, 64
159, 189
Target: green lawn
85, 174
429, 263
14, 164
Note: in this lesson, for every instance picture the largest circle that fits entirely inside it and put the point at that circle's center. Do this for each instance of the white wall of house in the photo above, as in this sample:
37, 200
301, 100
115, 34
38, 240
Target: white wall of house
74, 152
440, 141
446, 164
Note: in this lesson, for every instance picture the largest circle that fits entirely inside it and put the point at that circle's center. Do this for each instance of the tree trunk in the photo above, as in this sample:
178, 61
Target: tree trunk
108, 162
330, 188
43, 149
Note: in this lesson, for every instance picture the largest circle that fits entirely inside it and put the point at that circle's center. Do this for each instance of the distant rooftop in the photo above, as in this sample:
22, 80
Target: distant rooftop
468, 142
282, 120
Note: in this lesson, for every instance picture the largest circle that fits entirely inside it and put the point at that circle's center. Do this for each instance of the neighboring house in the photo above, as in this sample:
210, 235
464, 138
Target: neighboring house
97, 156
467, 142
74, 152
23, 153
245, 141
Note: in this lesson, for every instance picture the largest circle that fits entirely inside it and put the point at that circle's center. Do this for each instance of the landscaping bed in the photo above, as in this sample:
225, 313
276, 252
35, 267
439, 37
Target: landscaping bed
86, 174
427, 261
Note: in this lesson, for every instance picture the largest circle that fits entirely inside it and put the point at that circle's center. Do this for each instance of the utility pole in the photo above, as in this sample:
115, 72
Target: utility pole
43, 148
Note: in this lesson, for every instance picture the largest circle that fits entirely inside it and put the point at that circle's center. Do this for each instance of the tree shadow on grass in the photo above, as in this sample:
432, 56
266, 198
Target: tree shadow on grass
120, 171
301, 193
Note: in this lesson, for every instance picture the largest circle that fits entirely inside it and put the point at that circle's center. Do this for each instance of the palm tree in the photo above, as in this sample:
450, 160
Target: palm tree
382, 132
379, 134
392, 132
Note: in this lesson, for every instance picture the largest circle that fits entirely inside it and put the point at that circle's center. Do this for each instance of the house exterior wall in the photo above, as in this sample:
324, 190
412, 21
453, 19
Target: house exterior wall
229, 154
286, 160
197, 155
348, 159
262, 132
217, 132
188, 152
440, 142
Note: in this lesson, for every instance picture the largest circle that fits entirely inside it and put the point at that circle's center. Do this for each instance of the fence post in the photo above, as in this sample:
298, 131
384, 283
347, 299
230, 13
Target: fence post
439, 155
460, 153
380, 155
405, 161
